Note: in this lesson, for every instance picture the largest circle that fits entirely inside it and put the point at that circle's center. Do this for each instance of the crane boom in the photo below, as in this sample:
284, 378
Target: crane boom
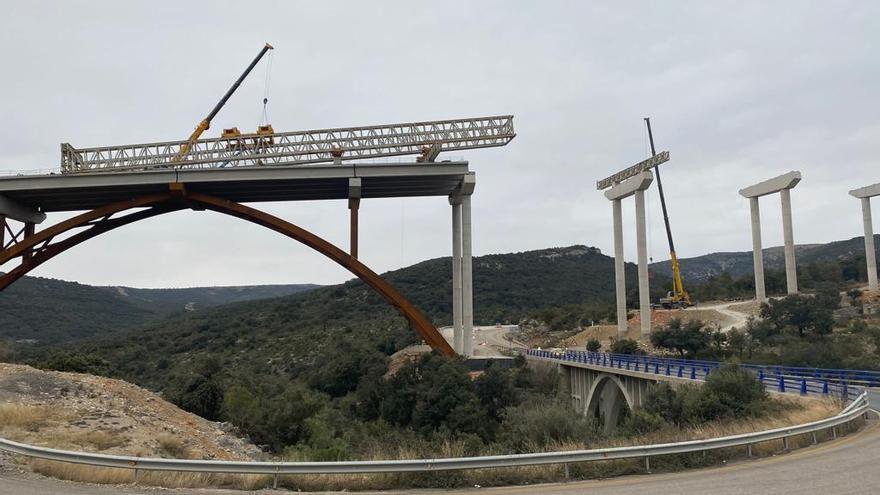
299, 147
679, 295
205, 124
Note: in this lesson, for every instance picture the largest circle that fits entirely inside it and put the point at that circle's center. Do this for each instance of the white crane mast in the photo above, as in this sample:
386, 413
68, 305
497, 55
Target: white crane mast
300, 147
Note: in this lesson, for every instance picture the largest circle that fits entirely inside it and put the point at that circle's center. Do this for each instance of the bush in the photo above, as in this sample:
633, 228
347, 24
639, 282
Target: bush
625, 346
728, 392
738, 391
535, 426
593, 345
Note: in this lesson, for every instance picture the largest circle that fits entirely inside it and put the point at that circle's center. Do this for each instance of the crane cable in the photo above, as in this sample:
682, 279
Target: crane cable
264, 118
648, 208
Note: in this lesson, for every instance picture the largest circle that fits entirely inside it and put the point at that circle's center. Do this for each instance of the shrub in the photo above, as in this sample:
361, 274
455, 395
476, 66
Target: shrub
593, 345
534, 426
625, 346
737, 391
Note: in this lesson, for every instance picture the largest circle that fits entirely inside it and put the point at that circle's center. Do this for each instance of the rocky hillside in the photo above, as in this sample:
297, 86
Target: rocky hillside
94, 414
701, 268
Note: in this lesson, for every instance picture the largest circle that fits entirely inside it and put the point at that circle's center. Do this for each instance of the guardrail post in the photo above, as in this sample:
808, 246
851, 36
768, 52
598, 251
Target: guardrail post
824, 388
680, 371
667, 369
566, 471
275, 479
815, 441
656, 368
749, 450
693, 372
136, 475
781, 386
803, 386
785, 443
648, 464
834, 432
761, 376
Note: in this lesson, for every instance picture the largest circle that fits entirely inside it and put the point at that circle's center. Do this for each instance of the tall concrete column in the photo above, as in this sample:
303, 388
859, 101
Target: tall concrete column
642, 243
619, 269
788, 237
757, 253
457, 337
870, 257
467, 284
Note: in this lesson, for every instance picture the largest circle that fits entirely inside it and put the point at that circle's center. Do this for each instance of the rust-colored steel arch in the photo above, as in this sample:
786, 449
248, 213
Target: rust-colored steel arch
39, 248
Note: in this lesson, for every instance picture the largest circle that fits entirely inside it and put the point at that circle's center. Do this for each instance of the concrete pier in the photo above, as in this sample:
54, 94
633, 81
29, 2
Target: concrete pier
788, 237
457, 337
619, 268
757, 250
870, 255
782, 185
642, 243
467, 283
865, 194
634, 186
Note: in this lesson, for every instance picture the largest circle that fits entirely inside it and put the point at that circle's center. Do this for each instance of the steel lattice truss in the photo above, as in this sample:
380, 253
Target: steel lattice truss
291, 148
636, 169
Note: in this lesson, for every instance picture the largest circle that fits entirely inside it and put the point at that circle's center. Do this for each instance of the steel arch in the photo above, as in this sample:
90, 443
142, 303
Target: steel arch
39, 247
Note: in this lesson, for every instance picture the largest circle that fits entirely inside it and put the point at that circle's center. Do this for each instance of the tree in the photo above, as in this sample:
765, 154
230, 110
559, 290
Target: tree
686, 338
808, 315
240, 406
496, 391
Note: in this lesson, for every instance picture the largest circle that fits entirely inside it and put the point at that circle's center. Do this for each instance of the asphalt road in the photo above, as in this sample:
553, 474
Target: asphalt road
843, 467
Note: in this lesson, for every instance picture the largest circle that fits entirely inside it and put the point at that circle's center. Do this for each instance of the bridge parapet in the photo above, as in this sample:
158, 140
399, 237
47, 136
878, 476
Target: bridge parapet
785, 379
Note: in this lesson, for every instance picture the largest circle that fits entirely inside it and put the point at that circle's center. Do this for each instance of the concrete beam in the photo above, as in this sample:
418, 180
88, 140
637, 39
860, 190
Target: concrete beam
630, 186
465, 188
866, 192
774, 185
20, 212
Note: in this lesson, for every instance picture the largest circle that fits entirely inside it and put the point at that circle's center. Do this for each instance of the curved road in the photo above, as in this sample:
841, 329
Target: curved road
845, 466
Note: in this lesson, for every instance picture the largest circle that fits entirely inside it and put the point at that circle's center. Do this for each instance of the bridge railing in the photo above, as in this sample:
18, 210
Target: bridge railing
857, 408
806, 381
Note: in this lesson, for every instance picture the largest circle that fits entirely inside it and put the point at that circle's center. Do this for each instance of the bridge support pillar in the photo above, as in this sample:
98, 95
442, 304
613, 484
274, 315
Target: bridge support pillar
642, 243
783, 185
457, 337
635, 185
870, 256
788, 237
619, 268
462, 268
354, 204
757, 250
467, 283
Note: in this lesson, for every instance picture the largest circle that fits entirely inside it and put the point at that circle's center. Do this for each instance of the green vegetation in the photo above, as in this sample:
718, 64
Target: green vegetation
81, 312
727, 394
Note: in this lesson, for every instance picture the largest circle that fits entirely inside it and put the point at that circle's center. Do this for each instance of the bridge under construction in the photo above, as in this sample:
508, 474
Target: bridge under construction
118, 185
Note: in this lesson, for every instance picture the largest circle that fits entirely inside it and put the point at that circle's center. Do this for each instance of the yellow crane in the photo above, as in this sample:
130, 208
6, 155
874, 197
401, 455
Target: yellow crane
677, 297
205, 124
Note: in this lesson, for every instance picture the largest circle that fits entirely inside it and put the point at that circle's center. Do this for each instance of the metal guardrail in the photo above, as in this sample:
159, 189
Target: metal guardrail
801, 380
855, 409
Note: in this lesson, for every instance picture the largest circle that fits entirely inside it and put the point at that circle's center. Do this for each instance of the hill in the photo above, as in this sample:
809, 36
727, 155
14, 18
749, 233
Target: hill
45, 311
337, 334
700, 268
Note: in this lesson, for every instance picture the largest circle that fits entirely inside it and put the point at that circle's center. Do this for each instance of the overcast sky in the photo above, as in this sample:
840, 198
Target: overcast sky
737, 91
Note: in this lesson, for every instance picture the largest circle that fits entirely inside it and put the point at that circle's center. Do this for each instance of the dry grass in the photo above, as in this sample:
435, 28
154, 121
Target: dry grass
789, 411
23, 416
91, 441
173, 447
116, 476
